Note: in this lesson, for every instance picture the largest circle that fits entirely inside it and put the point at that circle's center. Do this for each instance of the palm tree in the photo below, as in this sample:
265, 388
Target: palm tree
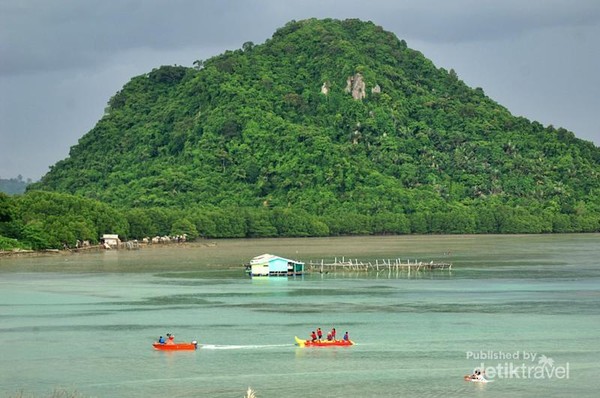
199, 64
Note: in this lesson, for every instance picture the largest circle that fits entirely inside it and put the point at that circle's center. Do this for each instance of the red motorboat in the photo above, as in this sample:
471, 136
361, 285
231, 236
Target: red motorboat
171, 345
175, 346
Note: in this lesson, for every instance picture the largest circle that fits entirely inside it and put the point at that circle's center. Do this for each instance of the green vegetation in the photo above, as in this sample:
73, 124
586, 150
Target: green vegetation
245, 144
45, 220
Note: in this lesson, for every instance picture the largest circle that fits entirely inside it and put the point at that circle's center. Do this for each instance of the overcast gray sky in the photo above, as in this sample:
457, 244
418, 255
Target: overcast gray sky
61, 60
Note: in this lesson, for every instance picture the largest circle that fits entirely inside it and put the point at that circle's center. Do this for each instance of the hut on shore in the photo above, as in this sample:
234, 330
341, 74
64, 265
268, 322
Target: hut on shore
110, 241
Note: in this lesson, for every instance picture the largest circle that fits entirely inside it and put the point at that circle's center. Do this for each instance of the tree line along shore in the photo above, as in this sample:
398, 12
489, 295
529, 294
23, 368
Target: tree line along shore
49, 220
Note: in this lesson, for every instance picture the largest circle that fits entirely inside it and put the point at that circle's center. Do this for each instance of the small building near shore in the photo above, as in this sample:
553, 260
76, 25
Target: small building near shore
271, 265
110, 240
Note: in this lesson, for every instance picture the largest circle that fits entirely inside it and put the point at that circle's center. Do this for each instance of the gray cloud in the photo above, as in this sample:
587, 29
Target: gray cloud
46, 35
477, 20
43, 35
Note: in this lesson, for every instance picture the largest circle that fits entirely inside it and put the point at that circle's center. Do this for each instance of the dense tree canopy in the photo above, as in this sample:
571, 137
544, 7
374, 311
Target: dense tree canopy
267, 141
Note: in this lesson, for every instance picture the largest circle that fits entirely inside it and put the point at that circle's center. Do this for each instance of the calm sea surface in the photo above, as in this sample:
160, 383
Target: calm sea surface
526, 308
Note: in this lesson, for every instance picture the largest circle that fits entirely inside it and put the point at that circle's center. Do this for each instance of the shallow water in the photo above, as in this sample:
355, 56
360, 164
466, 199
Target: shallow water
85, 322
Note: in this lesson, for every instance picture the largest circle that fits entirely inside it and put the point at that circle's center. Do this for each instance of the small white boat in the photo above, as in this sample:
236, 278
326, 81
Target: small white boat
477, 379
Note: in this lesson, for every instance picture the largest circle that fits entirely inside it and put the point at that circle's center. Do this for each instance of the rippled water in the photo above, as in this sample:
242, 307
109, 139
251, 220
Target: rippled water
85, 322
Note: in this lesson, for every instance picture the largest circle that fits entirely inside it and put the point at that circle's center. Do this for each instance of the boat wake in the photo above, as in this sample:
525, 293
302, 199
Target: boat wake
240, 347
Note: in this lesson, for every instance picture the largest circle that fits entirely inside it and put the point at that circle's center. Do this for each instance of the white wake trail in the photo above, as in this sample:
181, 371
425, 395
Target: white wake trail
240, 347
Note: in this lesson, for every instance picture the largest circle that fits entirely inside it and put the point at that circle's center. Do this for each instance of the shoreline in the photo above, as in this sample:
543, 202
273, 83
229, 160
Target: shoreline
16, 253
24, 253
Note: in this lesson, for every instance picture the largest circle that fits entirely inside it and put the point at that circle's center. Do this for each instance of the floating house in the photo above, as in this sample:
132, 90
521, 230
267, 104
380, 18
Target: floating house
271, 265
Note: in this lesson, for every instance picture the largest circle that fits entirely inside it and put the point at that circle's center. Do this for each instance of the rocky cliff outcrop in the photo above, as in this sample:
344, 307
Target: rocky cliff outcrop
356, 86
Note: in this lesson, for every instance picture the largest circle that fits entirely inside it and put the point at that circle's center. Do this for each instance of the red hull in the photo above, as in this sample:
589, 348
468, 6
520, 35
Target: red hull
175, 347
324, 343
337, 343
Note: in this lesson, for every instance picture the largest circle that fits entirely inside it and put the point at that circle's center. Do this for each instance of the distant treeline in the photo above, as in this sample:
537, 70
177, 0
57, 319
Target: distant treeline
14, 186
43, 220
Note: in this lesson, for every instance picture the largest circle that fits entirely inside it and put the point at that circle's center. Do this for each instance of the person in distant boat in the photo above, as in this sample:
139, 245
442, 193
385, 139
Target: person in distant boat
346, 338
329, 337
171, 339
313, 336
161, 340
319, 333
333, 334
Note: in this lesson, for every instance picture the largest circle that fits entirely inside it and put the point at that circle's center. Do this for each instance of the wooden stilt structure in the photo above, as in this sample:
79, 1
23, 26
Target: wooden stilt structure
385, 265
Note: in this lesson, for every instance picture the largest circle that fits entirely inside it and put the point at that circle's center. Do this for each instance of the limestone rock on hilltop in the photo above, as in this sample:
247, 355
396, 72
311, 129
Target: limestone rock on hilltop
356, 86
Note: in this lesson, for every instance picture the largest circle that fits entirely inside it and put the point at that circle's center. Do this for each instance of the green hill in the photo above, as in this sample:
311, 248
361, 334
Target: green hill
277, 126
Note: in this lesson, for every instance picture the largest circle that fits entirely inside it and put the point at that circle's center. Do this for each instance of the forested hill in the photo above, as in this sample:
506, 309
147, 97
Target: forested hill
336, 119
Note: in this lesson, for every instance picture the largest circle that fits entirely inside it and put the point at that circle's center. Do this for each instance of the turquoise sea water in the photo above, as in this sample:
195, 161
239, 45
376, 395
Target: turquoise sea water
85, 323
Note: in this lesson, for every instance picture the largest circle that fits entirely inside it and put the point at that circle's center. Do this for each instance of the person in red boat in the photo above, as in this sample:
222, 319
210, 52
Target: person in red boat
346, 338
313, 336
319, 333
171, 339
329, 336
333, 334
